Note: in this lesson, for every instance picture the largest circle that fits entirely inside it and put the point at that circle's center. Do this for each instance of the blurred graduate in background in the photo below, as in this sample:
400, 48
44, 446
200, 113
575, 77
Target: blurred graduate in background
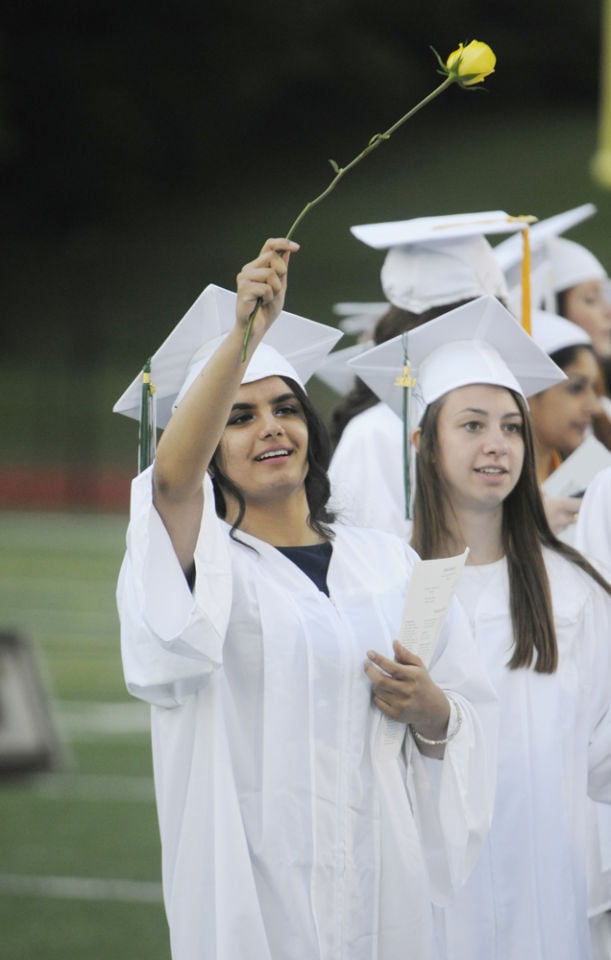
432, 264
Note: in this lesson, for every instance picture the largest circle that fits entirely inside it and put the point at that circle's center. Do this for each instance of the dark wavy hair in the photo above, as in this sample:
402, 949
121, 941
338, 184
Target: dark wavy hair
525, 531
361, 397
317, 485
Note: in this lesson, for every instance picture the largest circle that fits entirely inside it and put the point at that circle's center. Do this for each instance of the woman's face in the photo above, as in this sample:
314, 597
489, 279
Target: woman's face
264, 448
562, 414
587, 306
480, 446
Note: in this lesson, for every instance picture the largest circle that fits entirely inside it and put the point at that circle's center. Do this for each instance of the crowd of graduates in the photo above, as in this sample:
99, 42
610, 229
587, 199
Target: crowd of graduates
323, 791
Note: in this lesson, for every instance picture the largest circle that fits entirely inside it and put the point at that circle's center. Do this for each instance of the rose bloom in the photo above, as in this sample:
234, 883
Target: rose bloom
474, 62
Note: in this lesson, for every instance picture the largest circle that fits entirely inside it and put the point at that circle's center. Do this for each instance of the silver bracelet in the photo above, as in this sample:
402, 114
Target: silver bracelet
450, 736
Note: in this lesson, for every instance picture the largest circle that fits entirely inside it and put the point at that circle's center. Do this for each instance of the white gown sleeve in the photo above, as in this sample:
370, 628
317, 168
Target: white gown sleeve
593, 530
453, 799
597, 625
171, 639
593, 538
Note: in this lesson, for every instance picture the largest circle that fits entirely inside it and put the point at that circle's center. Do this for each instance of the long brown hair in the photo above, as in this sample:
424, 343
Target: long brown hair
525, 531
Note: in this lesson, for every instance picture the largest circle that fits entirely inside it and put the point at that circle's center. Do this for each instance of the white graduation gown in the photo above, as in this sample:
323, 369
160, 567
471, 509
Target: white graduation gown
366, 472
593, 527
593, 538
526, 898
284, 835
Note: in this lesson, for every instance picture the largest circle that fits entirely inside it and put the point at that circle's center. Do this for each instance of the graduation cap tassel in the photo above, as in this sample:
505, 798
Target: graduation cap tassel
147, 437
526, 295
406, 477
407, 382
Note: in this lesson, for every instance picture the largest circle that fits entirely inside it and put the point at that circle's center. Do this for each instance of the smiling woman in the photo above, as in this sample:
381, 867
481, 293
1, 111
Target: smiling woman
272, 424
263, 634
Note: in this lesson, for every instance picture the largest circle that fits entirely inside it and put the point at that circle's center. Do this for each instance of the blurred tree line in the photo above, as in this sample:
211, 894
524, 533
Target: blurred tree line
129, 130
102, 99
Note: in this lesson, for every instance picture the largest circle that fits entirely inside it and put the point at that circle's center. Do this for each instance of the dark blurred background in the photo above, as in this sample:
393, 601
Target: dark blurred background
147, 149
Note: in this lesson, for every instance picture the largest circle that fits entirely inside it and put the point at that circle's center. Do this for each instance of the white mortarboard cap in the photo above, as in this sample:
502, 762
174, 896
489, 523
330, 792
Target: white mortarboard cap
434, 261
553, 333
293, 347
571, 263
543, 235
480, 342
509, 252
556, 266
425, 275
334, 370
452, 226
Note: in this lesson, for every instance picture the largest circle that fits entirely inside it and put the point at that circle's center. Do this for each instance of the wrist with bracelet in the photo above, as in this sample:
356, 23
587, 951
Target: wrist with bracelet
454, 706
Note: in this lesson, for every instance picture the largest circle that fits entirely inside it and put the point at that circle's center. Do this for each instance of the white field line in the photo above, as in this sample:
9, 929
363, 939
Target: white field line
86, 786
82, 720
81, 888
76, 720
79, 719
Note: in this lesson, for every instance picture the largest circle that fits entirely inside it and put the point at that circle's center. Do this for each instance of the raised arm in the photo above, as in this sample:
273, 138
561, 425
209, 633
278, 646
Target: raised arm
191, 437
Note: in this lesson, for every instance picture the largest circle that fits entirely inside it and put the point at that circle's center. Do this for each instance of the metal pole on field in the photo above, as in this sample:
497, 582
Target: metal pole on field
601, 161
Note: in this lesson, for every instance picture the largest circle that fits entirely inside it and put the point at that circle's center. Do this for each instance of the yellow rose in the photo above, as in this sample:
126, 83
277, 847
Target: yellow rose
465, 66
471, 64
